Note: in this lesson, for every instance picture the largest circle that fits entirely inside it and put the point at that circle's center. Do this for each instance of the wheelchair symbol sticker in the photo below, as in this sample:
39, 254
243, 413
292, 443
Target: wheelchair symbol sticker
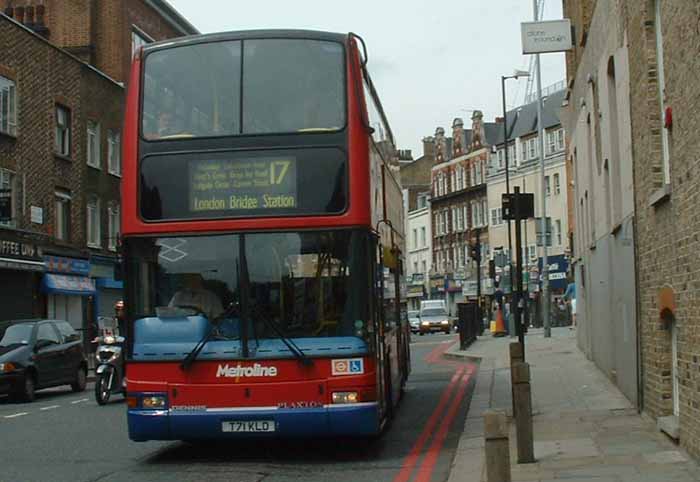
348, 366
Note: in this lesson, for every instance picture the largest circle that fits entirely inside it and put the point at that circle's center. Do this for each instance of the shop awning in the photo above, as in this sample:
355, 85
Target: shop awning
67, 285
21, 264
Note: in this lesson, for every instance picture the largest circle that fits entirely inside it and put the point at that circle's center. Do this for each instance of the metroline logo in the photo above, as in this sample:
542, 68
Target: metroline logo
238, 371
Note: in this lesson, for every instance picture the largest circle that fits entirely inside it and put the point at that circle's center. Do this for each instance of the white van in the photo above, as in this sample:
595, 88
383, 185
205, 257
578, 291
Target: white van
433, 317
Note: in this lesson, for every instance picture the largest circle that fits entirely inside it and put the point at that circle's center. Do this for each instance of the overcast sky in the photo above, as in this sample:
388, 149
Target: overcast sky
431, 61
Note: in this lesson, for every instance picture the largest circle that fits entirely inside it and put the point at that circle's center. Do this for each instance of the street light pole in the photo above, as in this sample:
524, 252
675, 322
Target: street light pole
505, 148
545, 264
518, 73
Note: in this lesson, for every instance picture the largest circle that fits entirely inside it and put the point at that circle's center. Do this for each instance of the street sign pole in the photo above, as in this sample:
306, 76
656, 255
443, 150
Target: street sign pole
518, 207
519, 299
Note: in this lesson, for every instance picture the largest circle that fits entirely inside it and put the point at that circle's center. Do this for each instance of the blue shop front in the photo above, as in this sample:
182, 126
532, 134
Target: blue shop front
69, 292
109, 290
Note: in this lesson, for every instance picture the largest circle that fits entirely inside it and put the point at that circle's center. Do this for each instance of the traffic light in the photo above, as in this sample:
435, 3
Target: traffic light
475, 252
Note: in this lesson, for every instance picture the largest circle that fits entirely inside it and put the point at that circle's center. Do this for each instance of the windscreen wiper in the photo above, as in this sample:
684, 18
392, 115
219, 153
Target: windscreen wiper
293, 347
191, 356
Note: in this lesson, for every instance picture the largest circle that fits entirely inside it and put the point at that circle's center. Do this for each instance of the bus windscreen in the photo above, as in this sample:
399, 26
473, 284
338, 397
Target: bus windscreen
306, 283
256, 86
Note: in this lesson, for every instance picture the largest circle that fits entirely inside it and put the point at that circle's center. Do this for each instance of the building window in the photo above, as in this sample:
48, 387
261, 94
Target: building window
422, 201
496, 216
465, 210
93, 223
560, 140
415, 266
484, 213
137, 41
93, 144
422, 236
532, 148
62, 215
415, 238
425, 267
513, 155
557, 185
557, 228
501, 161
114, 158
8, 187
665, 145
532, 251
547, 186
63, 131
8, 106
538, 229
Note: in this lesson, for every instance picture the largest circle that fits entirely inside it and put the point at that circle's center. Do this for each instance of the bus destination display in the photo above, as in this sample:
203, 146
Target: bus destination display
243, 185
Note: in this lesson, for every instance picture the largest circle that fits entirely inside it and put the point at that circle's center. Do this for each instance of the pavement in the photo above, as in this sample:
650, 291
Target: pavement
584, 428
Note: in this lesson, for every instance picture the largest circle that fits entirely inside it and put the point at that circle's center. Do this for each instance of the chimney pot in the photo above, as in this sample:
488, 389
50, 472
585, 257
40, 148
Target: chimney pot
29, 16
39, 18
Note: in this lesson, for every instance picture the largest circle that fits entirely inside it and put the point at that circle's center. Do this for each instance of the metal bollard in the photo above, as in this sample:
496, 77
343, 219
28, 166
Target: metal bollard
496, 446
516, 356
523, 412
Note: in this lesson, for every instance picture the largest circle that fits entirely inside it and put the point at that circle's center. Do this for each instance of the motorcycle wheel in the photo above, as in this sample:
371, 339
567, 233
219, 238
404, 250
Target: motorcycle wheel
102, 390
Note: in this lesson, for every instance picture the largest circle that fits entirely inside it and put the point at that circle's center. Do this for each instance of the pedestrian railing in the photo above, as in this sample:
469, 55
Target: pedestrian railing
470, 324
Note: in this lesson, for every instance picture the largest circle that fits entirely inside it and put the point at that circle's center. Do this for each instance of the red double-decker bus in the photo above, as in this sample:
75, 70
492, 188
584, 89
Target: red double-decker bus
262, 240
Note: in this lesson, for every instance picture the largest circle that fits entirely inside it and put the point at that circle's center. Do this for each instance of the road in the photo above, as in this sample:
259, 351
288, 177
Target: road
64, 436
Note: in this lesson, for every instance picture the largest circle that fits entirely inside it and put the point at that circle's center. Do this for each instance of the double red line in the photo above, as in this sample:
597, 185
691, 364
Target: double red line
453, 395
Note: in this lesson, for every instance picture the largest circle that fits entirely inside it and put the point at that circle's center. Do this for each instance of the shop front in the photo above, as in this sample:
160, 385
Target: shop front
415, 295
69, 293
21, 268
109, 290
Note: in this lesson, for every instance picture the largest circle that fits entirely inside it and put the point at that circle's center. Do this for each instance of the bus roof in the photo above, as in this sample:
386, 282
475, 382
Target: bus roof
247, 34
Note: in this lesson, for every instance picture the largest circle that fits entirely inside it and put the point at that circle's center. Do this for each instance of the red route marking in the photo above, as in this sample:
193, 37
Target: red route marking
428, 466
436, 353
412, 457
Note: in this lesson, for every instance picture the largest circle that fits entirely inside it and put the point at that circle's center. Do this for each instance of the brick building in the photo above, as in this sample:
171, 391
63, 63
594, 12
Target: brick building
459, 207
635, 99
60, 157
103, 34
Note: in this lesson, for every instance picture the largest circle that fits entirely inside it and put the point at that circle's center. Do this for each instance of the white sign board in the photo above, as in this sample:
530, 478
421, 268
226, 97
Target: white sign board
547, 36
36, 214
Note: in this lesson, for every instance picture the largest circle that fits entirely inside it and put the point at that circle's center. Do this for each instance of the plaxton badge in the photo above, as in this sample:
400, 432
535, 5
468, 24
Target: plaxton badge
238, 371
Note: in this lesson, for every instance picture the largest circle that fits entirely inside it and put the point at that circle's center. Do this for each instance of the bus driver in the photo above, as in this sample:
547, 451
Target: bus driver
196, 295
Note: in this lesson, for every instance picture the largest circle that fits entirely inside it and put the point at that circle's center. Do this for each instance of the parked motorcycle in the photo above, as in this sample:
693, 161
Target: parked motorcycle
109, 371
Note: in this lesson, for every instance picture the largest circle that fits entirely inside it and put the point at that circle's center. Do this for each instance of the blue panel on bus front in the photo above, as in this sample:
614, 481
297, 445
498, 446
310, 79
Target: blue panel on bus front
167, 339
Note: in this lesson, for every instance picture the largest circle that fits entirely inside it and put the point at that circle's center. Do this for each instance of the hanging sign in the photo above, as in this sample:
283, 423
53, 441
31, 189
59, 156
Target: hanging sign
547, 36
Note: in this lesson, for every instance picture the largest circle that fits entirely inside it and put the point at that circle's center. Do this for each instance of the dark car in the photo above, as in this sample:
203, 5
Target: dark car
37, 354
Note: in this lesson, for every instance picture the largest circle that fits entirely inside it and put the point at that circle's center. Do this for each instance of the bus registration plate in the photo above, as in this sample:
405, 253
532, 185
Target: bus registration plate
248, 426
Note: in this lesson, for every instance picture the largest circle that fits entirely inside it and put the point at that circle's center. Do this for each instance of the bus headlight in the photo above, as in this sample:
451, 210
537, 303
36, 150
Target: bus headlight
444, 322
153, 402
345, 397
